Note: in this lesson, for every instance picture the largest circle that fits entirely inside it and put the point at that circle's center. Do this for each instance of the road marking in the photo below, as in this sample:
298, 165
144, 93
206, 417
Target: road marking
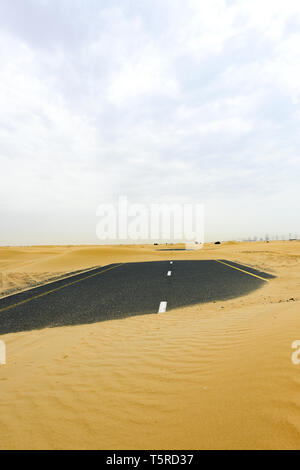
169, 273
162, 307
242, 270
57, 288
53, 281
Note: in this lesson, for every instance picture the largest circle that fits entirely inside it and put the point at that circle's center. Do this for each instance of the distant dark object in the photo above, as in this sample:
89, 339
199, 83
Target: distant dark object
155, 243
175, 249
217, 243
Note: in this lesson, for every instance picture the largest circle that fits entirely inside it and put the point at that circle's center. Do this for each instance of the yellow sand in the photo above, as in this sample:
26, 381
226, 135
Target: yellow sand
199, 377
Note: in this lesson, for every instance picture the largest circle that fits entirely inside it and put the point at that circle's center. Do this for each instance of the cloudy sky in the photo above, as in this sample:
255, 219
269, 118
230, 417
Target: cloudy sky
161, 101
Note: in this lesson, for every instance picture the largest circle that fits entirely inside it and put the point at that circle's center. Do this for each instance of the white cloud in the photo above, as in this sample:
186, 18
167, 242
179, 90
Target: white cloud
197, 101
142, 75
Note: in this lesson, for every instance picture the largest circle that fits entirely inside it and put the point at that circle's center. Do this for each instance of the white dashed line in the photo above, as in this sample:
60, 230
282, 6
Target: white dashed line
169, 273
162, 307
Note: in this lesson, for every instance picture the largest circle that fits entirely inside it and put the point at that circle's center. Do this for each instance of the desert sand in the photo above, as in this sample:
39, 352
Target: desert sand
209, 376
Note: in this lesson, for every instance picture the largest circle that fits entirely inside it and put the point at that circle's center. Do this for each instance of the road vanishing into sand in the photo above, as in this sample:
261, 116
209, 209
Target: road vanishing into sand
122, 290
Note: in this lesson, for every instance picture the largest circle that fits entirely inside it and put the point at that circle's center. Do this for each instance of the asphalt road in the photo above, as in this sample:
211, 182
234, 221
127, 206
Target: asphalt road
121, 290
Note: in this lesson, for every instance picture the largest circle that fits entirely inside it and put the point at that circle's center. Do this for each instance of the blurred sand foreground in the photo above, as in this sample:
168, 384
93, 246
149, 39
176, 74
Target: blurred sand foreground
208, 376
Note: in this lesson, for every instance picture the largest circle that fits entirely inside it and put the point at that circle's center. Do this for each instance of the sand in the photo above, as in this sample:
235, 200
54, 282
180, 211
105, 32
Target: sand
209, 376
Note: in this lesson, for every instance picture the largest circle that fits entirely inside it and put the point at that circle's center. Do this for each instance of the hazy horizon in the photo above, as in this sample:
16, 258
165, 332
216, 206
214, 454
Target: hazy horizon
158, 101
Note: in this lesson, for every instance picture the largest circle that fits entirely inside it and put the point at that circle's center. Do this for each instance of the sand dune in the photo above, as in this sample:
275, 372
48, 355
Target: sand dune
207, 376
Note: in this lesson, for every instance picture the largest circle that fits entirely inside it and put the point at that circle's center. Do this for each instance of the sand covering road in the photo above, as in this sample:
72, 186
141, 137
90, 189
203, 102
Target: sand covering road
217, 375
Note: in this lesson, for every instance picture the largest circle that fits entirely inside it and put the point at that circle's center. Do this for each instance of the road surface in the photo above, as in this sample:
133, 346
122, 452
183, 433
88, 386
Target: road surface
121, 290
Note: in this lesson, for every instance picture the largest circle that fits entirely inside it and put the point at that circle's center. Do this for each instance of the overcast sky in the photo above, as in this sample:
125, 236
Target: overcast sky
160, 100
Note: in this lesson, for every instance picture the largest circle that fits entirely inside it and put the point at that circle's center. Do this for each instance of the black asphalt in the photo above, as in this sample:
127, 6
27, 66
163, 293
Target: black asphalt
118, 291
